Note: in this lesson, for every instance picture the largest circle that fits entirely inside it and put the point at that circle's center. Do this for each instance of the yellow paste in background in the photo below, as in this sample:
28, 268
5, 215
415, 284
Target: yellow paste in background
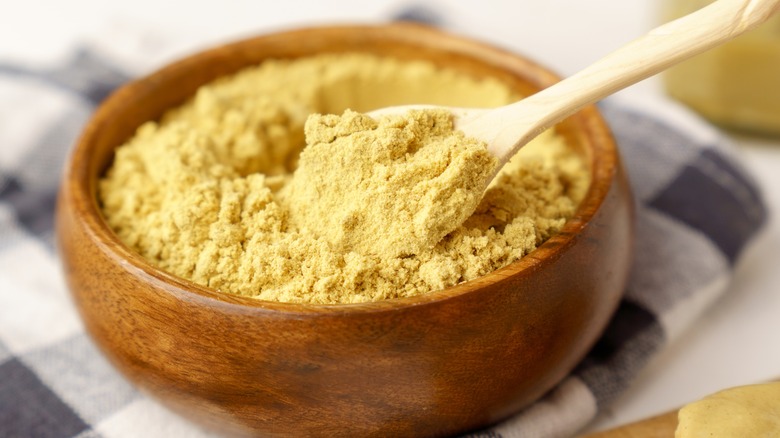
751, 411
208, 192
736, 84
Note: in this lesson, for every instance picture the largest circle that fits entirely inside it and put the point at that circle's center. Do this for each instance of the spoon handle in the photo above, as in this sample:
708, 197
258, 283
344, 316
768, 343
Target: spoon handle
642, 58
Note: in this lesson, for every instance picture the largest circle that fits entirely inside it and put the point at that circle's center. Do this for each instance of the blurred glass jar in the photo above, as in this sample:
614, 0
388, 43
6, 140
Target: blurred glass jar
737, 84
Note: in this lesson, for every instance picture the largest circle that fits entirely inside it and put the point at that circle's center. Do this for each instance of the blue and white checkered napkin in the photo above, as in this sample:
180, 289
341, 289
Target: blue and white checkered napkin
697, 209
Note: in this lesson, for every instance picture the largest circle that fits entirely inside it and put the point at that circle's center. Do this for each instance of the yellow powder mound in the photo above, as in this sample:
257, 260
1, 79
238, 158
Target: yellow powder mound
745, 411
390, 188
207, 193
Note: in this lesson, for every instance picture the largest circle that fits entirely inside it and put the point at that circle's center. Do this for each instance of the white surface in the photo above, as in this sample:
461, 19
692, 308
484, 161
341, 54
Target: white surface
735, 342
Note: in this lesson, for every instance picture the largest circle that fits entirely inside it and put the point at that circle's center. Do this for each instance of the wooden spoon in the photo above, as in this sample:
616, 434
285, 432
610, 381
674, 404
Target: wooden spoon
508, 128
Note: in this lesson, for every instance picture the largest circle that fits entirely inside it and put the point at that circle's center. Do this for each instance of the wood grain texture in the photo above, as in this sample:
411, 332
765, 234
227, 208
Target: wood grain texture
434, 365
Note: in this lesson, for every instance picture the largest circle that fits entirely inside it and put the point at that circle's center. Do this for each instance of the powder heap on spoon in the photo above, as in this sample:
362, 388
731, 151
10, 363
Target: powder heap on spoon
393, 186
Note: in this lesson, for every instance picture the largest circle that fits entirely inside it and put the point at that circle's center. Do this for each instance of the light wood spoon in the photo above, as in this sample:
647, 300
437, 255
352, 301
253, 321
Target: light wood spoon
508, 128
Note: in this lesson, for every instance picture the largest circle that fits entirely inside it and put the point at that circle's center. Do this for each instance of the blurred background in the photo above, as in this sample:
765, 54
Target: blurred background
724, 349
564, 34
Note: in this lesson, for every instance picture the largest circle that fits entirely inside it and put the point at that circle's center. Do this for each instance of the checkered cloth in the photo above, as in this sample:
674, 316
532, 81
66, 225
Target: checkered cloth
697, 209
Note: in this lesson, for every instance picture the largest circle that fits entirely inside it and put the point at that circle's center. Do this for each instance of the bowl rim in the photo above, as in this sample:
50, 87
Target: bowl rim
81, 186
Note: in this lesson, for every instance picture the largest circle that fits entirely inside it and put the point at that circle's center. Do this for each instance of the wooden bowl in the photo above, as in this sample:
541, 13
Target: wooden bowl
443, 363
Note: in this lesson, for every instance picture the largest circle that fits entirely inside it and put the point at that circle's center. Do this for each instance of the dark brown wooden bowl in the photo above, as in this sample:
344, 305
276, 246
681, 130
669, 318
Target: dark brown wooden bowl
447, 362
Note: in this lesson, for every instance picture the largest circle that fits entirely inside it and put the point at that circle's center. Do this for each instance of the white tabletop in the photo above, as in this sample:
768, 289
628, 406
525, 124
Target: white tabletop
734, 343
